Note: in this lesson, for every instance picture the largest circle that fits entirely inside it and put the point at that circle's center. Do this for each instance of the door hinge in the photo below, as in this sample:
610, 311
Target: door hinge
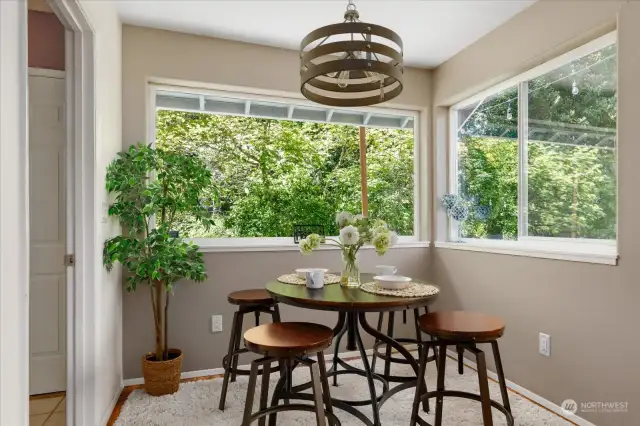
69, 260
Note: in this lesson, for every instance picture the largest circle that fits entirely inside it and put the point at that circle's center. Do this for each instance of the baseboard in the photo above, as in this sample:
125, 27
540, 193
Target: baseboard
107, 415
554, 408
218, 371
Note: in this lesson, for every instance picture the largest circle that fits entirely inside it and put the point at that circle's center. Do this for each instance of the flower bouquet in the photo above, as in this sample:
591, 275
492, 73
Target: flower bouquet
355, 231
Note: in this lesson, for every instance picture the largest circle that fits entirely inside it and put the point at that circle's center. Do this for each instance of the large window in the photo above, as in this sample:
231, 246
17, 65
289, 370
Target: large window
276, 165
536, 158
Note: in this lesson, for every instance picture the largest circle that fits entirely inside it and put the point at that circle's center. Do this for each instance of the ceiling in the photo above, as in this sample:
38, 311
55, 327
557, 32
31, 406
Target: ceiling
432, 30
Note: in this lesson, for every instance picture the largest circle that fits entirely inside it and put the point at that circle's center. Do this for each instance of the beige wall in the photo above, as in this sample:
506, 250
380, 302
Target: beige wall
155, 54
590, 311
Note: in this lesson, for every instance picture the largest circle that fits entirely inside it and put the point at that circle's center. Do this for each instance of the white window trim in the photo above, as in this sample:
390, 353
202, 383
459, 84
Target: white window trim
281, 244
420, 161
581, 250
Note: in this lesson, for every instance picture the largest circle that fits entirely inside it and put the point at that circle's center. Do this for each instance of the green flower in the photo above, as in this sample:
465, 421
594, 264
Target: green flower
379, 230
381, 242
378, 223
305, 246
314, 240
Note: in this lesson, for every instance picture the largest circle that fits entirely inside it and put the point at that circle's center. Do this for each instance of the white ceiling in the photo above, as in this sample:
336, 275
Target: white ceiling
432, 30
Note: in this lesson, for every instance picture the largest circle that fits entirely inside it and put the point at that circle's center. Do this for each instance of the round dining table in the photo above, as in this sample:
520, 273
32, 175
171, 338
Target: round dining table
352, 305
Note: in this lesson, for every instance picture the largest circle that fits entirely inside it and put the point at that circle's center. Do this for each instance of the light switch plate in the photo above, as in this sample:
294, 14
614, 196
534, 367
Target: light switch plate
544, 344
216, 323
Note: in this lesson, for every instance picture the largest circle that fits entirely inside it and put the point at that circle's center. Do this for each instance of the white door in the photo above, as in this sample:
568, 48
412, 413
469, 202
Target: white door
47, 326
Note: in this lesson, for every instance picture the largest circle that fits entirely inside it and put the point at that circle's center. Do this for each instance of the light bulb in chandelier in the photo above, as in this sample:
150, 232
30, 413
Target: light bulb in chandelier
574, 88
343, 79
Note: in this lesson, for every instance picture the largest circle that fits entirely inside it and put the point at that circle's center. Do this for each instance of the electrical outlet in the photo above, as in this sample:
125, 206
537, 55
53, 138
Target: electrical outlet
216, 323
544, 344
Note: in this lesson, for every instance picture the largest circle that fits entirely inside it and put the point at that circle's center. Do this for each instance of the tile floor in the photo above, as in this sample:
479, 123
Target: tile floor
47, 410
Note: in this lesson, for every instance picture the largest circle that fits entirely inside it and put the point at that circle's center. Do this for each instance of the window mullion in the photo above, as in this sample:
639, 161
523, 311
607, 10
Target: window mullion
454, 228
523, 159
363, 170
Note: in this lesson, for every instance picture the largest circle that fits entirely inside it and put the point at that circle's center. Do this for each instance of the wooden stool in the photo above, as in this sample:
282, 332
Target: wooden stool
288, 343
387, 357
463, 330
249, 301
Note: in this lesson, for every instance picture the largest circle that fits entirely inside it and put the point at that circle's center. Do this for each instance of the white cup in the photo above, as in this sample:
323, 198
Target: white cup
315, 278
386, 270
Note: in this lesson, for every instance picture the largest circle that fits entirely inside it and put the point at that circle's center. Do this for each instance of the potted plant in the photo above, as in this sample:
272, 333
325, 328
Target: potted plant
153, 188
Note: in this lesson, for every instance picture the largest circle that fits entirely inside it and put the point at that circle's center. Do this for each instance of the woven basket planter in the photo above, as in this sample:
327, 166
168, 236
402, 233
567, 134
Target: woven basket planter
162, 377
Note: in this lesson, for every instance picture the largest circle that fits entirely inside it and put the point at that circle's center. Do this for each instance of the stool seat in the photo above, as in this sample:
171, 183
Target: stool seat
250, 297
288, 339
462, 325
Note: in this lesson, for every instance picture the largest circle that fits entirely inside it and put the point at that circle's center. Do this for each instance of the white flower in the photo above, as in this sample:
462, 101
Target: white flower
343, 219
381, 242
305, 246
349, 235
358, 217
393, 239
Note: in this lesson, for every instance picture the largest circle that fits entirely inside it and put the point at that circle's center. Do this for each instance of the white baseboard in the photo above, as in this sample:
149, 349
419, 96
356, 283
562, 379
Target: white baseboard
112, 405
217, 371
554, 408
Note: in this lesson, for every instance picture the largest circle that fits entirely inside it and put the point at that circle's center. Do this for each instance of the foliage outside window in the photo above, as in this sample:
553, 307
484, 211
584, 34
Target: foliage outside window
557, 177
270, 174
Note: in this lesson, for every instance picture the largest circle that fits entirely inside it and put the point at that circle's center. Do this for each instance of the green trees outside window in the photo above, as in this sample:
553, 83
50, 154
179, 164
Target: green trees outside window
272, 174
570, 146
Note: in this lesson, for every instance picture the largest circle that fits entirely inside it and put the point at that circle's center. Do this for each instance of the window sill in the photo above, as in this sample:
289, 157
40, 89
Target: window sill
575, 252
257, 245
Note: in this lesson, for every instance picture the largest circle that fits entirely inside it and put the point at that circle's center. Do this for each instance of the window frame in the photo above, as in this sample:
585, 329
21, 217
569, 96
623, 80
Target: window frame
585, 250
420, 205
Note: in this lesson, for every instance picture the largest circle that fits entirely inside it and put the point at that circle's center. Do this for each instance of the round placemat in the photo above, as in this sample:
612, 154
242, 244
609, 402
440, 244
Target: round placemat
413, 290
295, 279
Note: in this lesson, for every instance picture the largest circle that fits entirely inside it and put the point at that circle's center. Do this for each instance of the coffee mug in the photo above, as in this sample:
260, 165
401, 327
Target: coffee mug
315, 278
386, 270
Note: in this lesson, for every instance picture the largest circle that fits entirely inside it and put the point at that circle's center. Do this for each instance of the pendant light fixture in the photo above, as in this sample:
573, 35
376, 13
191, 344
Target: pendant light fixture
352, 63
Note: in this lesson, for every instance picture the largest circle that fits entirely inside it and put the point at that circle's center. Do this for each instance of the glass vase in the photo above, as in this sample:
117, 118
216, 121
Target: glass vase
351, 269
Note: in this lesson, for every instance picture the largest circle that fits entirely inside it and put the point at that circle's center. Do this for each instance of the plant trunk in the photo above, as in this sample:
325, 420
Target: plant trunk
166, 326
159, 321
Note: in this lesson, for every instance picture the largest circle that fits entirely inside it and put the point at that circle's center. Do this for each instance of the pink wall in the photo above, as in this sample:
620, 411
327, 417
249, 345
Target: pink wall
46, 41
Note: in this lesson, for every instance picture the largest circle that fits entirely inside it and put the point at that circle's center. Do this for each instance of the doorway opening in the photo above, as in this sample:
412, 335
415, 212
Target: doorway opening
50, 228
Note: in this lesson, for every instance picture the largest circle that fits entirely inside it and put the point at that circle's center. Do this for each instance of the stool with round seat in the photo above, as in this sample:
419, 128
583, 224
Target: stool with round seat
248, 301
464, 330
289, 344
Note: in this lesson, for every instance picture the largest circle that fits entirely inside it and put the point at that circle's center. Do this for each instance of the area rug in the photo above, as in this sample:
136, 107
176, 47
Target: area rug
196, 403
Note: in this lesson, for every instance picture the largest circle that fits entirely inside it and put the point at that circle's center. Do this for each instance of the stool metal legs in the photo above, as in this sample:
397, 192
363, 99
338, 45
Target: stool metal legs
230, 361
227, 360
500, 373
484, 397
322, 406
440, 386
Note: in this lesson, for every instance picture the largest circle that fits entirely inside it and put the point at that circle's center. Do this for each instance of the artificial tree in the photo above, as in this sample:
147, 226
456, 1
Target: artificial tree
153, 188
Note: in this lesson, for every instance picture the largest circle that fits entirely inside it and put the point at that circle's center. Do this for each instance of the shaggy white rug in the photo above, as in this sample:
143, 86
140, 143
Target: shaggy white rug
196, 403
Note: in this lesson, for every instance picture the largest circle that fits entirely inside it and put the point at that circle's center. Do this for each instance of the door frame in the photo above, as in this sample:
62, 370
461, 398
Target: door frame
14, 213
80, 121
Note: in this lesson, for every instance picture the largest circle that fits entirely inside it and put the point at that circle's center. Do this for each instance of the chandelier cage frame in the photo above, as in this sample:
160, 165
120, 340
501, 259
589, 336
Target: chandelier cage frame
349, 72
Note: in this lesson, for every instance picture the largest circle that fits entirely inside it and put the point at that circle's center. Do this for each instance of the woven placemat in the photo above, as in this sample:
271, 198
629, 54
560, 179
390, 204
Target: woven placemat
295, 279
413, 290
